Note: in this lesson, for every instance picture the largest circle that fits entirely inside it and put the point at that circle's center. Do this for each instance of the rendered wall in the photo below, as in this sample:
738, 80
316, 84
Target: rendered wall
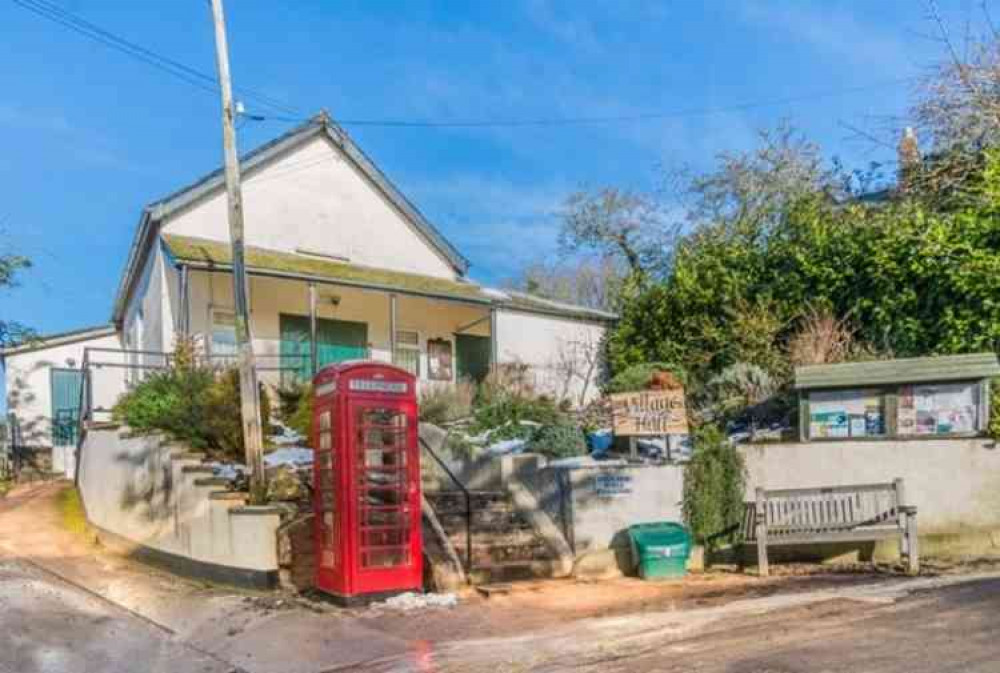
136, 489
598, 517
29, 391
954, 483
314, 198
553, 347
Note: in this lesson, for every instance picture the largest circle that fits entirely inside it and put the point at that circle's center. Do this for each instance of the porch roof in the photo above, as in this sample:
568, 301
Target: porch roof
933, 369
207, 254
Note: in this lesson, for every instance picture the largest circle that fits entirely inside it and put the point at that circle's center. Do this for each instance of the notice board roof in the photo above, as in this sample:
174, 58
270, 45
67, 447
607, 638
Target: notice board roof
969, 367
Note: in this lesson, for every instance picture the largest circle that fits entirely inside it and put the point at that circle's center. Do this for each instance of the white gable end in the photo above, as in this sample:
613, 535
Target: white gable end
314, 199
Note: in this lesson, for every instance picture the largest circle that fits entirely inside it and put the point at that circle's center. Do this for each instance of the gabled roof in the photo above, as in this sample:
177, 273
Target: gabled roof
206, 254
59, 339
321, 125
937, 369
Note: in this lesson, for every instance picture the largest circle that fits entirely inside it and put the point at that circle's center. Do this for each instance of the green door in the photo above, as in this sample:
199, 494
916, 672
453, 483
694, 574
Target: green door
337, 340
472, 355
65, 388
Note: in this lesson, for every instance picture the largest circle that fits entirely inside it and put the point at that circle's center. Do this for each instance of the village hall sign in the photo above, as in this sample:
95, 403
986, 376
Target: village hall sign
649, 413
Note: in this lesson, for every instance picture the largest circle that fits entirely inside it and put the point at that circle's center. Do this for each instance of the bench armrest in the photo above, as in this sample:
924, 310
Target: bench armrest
908, 510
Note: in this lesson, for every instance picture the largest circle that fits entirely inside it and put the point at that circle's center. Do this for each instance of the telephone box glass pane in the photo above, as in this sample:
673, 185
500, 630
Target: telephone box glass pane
381, 479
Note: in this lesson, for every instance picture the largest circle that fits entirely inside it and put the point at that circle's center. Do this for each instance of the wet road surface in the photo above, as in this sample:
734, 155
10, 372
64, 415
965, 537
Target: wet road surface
49, 626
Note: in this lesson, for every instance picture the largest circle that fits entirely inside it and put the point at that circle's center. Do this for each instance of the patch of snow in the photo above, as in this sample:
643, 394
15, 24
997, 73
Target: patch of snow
228, 470
287, 436
495, 293
294, 456
414, 601
507, 446
586, 461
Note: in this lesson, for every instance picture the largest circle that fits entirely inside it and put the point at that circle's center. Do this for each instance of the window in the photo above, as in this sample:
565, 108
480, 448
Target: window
439, 360
839, 414
223, 335
939, 409
407, 351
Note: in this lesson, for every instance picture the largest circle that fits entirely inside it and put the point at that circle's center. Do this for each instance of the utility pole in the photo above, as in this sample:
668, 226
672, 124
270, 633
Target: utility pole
249, 392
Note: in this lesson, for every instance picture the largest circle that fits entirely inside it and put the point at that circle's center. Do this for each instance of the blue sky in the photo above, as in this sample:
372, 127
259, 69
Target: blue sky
89, 135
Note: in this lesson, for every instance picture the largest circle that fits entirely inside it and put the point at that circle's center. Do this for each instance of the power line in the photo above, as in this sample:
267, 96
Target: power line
208, 82
196, 78
606, 119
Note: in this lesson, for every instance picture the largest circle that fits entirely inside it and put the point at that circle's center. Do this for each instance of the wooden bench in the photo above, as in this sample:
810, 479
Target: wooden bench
867, 512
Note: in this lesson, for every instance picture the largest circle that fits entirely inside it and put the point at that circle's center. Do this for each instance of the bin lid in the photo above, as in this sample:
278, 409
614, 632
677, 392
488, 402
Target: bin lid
663, 533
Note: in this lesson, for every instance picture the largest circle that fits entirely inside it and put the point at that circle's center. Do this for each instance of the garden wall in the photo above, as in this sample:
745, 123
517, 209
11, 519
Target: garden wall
955, 483
163, 503
594, 503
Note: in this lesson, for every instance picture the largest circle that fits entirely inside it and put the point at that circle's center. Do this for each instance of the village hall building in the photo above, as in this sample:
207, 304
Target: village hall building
341, 266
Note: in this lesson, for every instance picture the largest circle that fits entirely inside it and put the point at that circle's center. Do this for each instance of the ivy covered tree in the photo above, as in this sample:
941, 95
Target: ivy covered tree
11, 332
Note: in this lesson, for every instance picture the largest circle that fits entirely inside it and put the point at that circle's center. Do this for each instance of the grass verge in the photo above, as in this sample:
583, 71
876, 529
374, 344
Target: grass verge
5, 486
71, 512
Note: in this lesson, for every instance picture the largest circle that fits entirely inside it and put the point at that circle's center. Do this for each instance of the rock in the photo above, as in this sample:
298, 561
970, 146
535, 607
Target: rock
284, 485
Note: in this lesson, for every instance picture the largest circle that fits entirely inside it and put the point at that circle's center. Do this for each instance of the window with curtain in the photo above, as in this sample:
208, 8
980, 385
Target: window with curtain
223, 336
407, 352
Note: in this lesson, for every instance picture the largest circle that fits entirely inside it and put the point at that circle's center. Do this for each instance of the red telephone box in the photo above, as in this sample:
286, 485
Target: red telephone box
366, 474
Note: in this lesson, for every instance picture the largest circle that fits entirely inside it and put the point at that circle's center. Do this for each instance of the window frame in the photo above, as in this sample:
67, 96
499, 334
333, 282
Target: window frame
416, 348
212, 312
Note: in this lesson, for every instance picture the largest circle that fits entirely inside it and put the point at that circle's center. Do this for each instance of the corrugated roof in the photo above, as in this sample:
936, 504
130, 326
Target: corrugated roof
909, 370
205, 253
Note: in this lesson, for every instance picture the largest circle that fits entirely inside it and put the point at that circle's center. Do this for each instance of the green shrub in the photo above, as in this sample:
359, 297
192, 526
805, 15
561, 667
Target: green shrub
638, 377
170, 401
506, 413
300, 419
714, 481
199, 406
447, 403
561, 440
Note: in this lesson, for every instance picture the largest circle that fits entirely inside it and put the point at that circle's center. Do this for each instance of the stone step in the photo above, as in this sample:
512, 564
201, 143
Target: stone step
187, 455
454, 501
197, 469
512, 572
483, 520
211, 481
516, 537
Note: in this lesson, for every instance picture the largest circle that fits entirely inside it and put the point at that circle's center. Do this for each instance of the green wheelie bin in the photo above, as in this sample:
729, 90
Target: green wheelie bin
660, 550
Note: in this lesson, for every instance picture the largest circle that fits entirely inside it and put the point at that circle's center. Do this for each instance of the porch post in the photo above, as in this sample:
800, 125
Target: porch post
185, 317
313, 351
494, 346
392, 328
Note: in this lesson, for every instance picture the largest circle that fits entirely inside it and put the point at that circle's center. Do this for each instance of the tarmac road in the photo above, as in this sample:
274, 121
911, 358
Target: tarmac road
49, 626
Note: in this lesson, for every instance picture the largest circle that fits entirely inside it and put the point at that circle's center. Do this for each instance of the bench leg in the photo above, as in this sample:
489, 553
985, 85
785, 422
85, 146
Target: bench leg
912, 552
760, 528
762, 565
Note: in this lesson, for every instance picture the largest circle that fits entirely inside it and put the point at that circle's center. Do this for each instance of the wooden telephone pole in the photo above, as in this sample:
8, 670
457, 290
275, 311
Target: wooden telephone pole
249, 392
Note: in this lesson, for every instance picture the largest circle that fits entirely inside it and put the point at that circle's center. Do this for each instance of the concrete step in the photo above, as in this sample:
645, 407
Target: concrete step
511, 538
211, 481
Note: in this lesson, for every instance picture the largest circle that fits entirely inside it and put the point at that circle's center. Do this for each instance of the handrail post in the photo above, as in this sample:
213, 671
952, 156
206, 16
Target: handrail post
468, 506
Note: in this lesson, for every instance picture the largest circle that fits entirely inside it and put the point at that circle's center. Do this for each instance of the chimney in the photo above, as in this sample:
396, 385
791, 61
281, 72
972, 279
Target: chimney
908, 154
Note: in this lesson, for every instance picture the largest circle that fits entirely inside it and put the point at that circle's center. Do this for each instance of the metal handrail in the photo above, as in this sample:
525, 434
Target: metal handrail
468, 505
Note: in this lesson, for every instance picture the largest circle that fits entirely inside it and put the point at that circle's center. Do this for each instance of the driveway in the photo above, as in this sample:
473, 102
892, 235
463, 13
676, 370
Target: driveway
66, 605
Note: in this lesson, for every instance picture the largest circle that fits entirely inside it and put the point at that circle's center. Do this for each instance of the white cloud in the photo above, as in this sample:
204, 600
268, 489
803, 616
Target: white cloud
501, 226
843, 35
